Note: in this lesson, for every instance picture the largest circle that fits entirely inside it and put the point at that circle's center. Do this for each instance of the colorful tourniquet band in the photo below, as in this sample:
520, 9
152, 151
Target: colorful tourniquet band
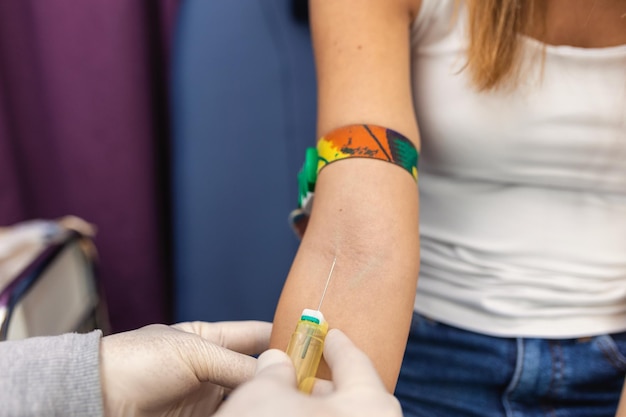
367, 141
355, 141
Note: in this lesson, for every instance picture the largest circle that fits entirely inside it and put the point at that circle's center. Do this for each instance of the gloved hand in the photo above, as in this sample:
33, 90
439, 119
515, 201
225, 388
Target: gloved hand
356, 389
181, 370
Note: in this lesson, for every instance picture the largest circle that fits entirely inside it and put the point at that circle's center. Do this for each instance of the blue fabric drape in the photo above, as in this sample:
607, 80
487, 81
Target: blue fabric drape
244, 112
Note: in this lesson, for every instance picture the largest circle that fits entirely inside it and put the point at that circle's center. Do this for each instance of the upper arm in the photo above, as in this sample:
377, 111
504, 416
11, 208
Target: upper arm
362, 53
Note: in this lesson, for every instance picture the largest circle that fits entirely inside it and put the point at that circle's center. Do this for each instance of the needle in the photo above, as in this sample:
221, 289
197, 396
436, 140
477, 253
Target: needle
327, 282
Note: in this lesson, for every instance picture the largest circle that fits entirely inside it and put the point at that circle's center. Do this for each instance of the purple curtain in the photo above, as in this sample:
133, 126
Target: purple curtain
84, 131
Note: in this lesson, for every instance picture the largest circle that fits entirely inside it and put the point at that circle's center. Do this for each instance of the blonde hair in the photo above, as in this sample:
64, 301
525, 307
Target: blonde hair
494, 50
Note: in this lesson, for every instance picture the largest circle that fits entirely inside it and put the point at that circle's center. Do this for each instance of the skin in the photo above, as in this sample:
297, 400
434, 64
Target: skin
366, 212
585, 23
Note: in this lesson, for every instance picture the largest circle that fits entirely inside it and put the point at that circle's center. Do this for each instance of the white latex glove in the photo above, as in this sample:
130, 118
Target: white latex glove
180, 370
356, 389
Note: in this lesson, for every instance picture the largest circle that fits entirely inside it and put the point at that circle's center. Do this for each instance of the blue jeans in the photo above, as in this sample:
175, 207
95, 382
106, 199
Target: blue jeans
449, 372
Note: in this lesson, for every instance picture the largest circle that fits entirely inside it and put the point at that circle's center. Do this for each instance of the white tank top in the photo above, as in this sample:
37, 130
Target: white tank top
522, 194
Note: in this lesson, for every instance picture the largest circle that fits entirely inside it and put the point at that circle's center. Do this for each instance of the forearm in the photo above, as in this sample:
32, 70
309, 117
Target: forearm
365, 213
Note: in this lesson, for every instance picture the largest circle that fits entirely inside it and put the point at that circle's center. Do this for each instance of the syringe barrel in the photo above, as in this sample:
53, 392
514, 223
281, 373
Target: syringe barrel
305, 350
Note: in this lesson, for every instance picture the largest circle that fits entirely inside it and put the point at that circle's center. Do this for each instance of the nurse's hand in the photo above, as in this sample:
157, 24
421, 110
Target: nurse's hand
356, 389
181, 370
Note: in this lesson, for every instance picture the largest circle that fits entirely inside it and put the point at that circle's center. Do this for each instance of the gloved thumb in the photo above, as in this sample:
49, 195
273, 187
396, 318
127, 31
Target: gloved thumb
275, 365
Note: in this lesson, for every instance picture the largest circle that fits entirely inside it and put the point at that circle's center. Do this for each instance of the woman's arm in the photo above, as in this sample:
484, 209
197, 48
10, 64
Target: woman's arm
365, 211
621, 409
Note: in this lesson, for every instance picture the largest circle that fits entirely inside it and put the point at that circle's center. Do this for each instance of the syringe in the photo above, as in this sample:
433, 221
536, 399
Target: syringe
307, 343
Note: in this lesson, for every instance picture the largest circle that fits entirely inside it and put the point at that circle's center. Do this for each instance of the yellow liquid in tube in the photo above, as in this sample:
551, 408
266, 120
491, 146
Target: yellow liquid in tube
306, 347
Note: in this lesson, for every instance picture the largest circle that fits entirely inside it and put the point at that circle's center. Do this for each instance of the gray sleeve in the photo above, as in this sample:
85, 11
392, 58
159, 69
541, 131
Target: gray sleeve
51, 376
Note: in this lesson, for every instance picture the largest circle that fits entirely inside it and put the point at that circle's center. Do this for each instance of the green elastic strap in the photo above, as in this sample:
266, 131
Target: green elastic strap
307, 175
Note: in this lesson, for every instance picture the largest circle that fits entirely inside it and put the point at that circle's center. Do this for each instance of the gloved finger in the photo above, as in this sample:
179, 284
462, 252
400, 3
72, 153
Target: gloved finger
349, 365
249, 337
322, 387
218, 365
275, 365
